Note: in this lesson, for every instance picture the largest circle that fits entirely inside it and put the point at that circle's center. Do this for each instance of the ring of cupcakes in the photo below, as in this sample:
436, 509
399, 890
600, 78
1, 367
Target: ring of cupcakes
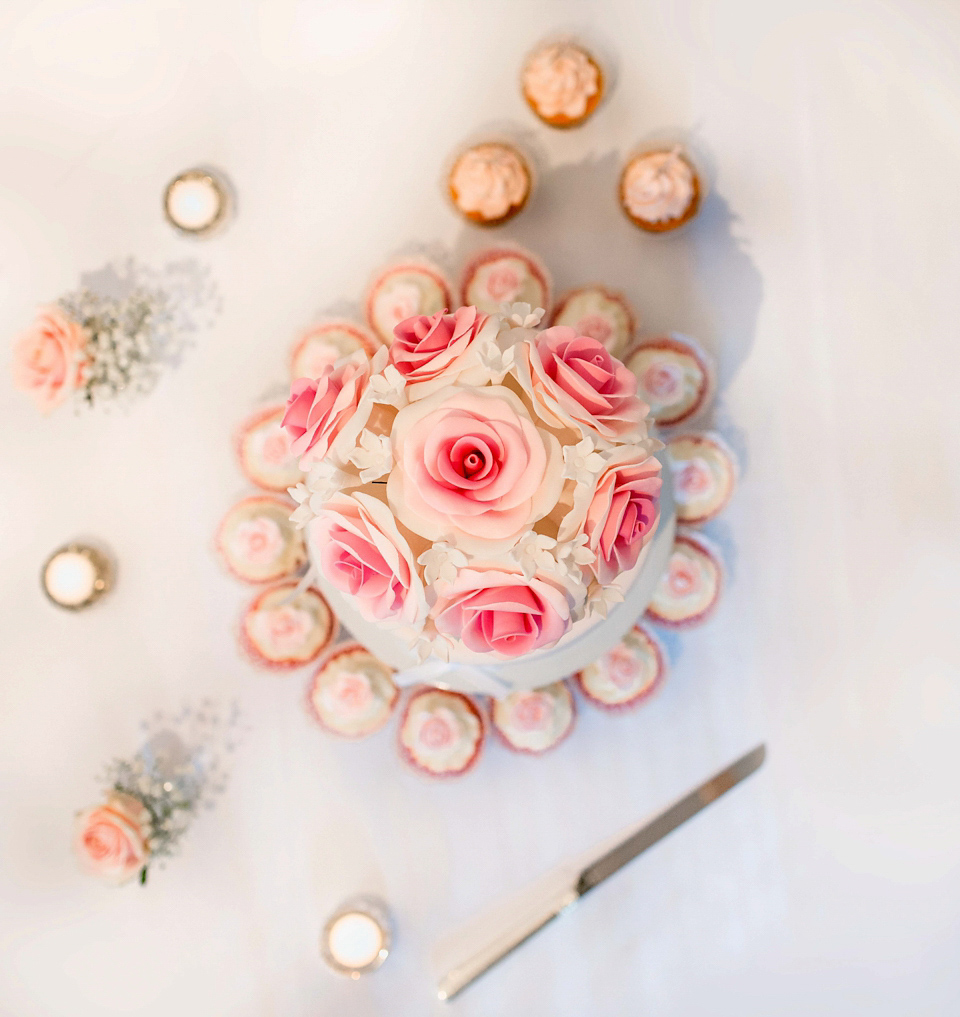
352, 694
263, 450
402, 290
257, 542
660, 191
704, 475
504, 275
325, 344
562, 83
490, 183
282, 629
628, 674
597, 312
689, 589
441, 732
674, 378
534, 721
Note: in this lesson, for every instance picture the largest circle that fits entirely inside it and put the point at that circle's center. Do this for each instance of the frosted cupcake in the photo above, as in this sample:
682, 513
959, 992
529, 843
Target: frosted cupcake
403, 290
281, 631
674, 378
689, 589
534, 721
597, 312
441, 733
704, 474
630, 673
504, 275
325, 344
352, 693
660, 191
258, 543
490, 183
562, 84
263, 449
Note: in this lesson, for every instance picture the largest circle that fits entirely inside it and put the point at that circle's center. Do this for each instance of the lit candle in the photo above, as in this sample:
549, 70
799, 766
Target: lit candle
356, 938
196, 202
76, 576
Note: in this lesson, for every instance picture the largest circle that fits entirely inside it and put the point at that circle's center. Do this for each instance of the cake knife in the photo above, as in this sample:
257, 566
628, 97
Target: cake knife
580, 881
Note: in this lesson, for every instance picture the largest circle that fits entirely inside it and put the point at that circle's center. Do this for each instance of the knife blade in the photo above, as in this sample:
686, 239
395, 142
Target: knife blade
532, 919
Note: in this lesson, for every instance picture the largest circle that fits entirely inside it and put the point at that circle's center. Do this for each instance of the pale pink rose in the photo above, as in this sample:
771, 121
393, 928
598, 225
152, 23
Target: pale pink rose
684, 575
531, 711
663, 380
692, 480
504, 283
497, 610
623, 512
438, 729
624, 667
112, 840
276, 446
432, 351
363, 554
350, 692
596, 326
48, 360
284, 629
472, 466
258, 540
320, 409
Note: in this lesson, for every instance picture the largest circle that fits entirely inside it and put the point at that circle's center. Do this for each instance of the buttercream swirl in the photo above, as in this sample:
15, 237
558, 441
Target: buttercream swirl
489, 180
659, 186
560, 81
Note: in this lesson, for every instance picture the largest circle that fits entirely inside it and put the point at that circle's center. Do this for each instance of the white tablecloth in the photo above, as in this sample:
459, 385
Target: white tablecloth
823, 275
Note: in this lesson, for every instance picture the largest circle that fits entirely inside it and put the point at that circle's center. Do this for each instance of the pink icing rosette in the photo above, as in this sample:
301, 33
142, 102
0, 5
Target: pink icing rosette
48, 358
111, 840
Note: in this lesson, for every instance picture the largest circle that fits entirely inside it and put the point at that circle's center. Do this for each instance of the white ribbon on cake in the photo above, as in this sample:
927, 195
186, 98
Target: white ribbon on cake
442, 674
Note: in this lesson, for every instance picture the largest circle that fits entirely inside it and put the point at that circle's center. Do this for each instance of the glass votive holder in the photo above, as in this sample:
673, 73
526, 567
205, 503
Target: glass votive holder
76, 576
197, 202
356, 938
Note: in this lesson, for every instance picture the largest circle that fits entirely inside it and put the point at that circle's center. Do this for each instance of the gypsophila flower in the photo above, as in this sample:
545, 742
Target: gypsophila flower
441, 562
582, 462
533, 552
373, 456
522, 315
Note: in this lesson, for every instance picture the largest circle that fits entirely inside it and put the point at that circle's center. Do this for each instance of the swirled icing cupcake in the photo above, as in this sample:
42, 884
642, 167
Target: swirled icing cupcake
660, 191
689, 589
597, 312
402, 291
704, 474
630, 673
674, 378
282, 631
352, 693
441, 732
263, 449
258, 543
325, 344
534, 721
504, 275
562, 84
490, 183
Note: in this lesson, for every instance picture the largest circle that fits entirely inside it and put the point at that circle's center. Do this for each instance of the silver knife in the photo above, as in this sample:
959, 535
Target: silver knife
547, 907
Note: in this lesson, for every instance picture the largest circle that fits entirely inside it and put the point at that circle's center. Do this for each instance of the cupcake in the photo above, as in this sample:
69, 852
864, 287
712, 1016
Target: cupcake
441, 732
263, 448
325, 344
598, 313
282, 631
661, 190
704, 475
689, 589
674, 378
628, 674
257, 541
504, 275
490, 183
562, 84
352, 693
402, 291
534, 721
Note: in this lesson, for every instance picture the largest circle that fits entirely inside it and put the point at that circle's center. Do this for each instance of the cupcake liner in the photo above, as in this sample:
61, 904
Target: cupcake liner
475, 217
659, 655
713, 448
254, 653
287, 564
364, 338
244, 455
489, 254
375, 724
503, 736
682, 346
458, 698
705, 551
407, 265
618, 349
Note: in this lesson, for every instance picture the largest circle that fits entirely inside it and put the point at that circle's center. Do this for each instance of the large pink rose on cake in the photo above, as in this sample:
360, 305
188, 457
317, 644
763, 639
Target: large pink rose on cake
48, 358
112, 840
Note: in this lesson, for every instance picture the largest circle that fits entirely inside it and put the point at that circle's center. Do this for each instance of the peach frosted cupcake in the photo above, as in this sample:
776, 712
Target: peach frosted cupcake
661, 190
263, 449
441, 732
490, 183
403, 290
689, 589
630, 673
562, 84
325, 344
352, 693
504, 275
282, 631
674, 378
704, 475
258, 543
599, 313
534, 721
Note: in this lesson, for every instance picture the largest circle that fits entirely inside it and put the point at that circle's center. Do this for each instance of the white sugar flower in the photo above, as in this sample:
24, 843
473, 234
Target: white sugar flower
498, 362
388, 385
572, 554
533, 552
324, 481
522, 315
431, 644
373, 456
441, 562
303, 513
600, 599
582, 462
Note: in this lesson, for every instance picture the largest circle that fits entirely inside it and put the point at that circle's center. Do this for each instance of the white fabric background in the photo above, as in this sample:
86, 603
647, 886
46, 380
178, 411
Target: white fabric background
823, 274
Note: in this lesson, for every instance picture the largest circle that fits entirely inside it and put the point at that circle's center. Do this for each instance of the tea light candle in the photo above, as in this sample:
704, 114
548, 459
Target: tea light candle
195, 202
356, 938
76, 576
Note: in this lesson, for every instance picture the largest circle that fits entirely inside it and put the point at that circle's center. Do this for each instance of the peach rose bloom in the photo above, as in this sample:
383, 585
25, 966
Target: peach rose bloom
48, 358
111, 840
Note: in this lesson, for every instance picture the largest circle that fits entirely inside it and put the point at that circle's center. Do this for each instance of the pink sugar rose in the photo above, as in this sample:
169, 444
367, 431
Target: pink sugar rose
363, 554
48, 361
496, 610
472, 467
111, 840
